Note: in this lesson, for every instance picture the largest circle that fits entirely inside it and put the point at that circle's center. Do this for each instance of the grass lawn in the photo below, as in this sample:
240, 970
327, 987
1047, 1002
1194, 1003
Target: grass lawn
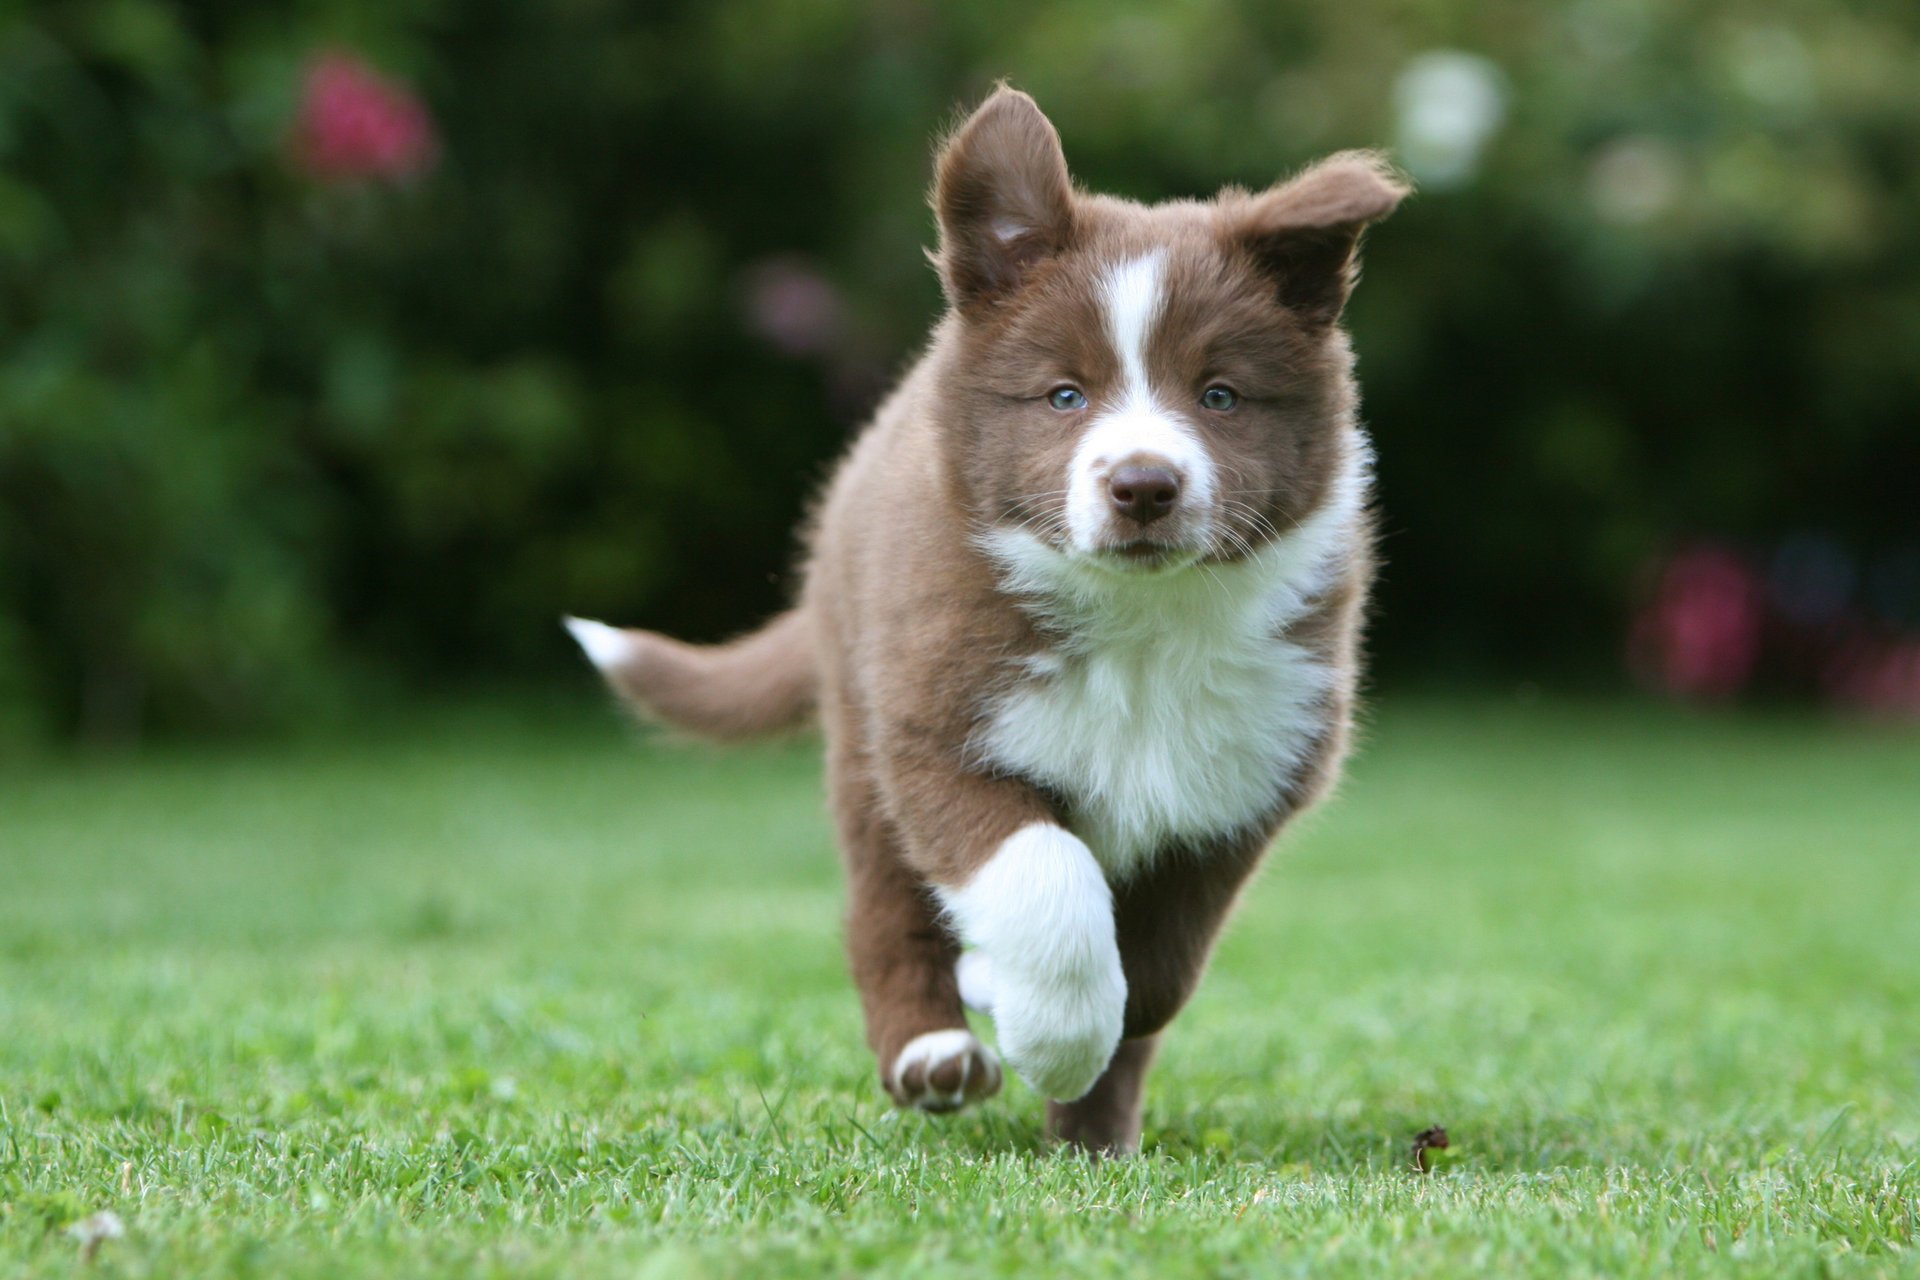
508, 993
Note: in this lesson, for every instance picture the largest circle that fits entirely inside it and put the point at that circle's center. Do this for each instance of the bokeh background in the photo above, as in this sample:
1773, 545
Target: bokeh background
344, 345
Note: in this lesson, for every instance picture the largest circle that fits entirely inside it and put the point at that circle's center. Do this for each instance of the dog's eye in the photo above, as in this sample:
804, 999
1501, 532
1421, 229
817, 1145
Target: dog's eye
1067, 399
1219, 399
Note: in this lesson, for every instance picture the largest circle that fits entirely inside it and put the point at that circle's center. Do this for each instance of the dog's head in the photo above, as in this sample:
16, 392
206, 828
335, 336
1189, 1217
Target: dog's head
1144, 388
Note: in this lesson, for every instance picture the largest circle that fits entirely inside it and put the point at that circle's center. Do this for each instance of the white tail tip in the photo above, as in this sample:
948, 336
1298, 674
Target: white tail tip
606, 647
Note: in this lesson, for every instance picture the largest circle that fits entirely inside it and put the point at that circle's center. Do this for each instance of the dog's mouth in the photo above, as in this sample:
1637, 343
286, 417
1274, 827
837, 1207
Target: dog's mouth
1125, 547
1145, 555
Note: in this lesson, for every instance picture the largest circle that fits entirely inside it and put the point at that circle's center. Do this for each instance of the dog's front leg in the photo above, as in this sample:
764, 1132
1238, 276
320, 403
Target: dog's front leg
1040, 914
1028, 895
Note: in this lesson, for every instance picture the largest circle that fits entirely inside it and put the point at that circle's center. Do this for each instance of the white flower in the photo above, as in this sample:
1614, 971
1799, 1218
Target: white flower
1450, 105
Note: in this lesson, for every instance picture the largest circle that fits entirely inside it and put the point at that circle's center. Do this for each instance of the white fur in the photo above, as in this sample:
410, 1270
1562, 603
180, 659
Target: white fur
1007, 230
606, 647
1132, 296
1174, 706
1137, 426
1042, 914
974, 972
934, 1047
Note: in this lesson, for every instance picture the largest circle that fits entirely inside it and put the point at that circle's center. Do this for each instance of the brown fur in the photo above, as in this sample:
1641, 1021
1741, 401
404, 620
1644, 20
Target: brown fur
760, 683
904, 633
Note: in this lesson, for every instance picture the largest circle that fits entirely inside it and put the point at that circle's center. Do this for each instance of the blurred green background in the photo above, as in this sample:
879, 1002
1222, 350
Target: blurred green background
285, 430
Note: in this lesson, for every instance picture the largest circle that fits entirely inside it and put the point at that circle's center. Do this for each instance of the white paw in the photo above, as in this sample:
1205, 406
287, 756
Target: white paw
943, 1071
1058, 1029
1040, 917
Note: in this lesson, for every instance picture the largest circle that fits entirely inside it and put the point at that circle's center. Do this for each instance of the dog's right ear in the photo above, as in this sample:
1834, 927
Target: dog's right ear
1003, 199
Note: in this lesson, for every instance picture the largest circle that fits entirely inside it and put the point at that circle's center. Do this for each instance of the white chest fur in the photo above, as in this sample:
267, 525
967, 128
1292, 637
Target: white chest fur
1172, 706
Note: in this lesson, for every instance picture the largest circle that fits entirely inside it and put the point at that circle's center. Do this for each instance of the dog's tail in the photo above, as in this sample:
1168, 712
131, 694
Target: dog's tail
761, 683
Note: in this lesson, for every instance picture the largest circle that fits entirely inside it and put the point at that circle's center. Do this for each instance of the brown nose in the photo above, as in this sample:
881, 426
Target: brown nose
1144, 493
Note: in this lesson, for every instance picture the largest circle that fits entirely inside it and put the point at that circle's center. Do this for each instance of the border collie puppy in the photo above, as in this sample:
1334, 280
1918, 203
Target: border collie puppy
1081, 614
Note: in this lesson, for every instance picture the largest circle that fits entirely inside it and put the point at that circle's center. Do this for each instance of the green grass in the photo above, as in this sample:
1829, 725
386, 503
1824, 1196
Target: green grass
491, 995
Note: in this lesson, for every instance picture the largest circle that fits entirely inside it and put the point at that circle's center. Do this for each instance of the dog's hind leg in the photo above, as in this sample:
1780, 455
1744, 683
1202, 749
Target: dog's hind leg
902, 959
1106, 1122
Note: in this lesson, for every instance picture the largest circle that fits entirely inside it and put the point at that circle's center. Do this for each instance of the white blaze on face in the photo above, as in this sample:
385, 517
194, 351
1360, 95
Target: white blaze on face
1136, 428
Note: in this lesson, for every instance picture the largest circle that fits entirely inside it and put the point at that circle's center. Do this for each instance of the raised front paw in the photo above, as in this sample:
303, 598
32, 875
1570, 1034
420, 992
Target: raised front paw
1053, 1040
1058, 1027
1040, 917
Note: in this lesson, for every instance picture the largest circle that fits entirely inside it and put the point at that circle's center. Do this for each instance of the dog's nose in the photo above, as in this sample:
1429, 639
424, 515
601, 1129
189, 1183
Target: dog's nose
1144, 493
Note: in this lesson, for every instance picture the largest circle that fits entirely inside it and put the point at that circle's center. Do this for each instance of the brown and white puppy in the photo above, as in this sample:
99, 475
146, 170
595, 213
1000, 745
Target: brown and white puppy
1081, 614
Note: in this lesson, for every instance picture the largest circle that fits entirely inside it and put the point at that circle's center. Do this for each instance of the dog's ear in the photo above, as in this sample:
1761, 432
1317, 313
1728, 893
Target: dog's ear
1304, 233
1003, 199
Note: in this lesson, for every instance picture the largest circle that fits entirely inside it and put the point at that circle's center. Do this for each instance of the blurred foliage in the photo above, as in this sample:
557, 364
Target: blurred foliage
269, 442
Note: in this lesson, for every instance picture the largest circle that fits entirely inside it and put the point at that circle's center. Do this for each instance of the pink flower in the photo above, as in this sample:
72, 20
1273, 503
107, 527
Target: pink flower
793, 306
1699, 637
356, 124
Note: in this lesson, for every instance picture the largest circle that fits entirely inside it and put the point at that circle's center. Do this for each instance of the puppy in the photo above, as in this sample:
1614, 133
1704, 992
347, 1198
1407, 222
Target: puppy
1080, 617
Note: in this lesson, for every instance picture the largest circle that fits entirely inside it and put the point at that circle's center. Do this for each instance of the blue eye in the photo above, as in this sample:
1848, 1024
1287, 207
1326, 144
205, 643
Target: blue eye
1219, 399
1067, 399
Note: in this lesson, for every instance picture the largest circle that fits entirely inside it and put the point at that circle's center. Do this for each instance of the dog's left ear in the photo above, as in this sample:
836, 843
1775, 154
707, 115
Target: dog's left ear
1003, 199
1304, 233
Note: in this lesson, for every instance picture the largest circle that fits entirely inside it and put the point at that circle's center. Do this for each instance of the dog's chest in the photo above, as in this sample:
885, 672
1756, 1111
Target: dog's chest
1159, 730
